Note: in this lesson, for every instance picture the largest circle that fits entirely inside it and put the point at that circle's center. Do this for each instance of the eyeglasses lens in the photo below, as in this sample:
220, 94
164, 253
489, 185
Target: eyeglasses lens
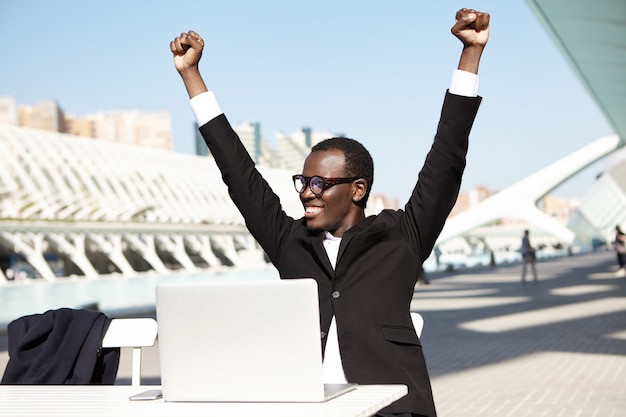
317, 185
299, 183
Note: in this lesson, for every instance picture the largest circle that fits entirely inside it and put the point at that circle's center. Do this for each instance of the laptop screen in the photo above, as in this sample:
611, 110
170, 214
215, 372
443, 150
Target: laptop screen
240, 341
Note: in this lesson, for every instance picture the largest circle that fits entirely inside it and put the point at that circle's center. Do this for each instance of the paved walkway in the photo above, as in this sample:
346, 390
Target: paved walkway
497, 347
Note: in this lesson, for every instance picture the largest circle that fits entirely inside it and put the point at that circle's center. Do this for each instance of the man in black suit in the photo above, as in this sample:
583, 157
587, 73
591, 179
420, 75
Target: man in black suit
366, 268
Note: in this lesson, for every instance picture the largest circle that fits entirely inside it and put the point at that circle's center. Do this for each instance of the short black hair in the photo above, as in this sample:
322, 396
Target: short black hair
359, 162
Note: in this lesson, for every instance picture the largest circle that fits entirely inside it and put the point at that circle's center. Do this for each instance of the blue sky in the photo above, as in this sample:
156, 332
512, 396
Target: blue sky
375, 71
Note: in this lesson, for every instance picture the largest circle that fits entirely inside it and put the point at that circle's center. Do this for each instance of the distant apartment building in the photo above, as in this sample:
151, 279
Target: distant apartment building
259, 149
45, 115
131, 127
289, 154
379, 202
295, 147
559, 208
470, 198
8, 110
200, 147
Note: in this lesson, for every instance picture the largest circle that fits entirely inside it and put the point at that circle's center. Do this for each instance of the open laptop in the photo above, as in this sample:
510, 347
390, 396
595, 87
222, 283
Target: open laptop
256, 341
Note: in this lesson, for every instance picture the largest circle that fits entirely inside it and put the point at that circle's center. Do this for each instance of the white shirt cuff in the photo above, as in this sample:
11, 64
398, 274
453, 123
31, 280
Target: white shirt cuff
205, 107
464, 83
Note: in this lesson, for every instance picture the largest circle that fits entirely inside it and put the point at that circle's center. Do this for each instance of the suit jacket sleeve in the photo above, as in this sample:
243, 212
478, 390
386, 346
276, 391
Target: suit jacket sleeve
253, 196
439, 180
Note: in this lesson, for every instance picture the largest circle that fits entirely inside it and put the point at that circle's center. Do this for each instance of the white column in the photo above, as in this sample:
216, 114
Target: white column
76, 252
30, 246
176, 246
202, 245
111, 245
146, 247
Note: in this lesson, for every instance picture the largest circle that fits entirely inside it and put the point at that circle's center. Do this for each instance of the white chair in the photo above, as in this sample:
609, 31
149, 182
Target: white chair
418, 323
134, 333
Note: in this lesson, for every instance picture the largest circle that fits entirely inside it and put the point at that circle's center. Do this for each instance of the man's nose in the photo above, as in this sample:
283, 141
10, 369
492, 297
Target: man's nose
307, 194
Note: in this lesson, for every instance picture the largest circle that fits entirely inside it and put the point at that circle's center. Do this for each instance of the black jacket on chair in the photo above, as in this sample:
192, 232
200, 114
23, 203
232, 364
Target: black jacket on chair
60, 347
370, 290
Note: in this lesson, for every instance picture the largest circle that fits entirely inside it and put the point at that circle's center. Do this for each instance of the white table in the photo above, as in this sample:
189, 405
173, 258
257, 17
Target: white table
112, 401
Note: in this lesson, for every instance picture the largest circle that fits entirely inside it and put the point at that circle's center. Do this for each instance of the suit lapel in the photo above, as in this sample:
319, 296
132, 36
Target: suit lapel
317, 242
349, 235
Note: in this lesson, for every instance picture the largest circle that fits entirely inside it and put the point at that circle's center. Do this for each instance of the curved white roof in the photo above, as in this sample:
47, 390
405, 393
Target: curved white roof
52, 176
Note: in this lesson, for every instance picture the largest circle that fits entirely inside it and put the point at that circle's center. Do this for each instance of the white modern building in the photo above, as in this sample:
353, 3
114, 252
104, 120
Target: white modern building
97, 207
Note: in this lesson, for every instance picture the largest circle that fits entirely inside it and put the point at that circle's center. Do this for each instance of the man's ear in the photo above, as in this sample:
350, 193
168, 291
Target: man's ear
359, 189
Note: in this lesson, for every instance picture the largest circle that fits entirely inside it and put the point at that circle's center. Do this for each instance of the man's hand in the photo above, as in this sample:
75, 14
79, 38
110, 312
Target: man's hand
472, 28
187, 49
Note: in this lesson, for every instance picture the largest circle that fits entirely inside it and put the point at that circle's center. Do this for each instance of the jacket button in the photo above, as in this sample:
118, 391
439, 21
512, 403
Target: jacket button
336, 294
323, 334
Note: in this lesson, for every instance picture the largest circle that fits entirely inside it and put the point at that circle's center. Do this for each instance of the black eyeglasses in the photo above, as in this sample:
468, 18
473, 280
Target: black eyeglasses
318, 184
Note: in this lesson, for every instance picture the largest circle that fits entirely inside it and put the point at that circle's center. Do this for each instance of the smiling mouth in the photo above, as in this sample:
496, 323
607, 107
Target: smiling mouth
312, 211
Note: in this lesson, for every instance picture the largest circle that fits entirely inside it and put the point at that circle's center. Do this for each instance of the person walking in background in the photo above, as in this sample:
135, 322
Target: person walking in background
528, 256
620, 249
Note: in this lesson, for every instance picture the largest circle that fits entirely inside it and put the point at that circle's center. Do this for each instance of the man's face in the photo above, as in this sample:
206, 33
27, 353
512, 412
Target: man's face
334, 210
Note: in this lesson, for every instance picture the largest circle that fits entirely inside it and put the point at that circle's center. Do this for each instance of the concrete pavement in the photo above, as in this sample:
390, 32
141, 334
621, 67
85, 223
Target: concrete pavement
497, 347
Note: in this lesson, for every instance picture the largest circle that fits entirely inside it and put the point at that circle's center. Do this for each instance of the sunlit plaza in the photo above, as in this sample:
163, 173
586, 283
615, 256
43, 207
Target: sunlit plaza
98, 224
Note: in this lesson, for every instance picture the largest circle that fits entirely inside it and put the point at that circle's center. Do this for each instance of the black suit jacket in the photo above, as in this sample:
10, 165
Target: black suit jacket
60, 347
379, 259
